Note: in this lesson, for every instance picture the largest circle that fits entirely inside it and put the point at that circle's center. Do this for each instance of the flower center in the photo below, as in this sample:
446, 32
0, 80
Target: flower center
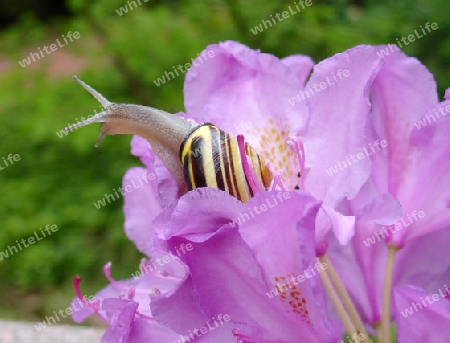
286, 155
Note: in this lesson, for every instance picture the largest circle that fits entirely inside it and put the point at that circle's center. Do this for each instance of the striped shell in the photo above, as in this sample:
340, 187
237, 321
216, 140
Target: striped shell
211, 158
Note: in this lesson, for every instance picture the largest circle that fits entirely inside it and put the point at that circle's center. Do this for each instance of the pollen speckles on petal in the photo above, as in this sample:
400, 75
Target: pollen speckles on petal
291, 294
270, 142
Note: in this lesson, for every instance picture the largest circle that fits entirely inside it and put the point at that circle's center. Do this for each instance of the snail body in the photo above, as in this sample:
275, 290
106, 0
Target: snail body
197, 155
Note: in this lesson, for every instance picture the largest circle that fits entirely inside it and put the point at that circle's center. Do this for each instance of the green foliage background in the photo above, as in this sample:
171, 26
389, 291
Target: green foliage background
57, 179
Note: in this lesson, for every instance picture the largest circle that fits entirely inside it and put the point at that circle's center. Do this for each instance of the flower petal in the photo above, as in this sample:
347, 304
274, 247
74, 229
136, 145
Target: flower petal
179, 309
289, 227
245, 283
144, 331
401, 94
426, 184
213, 208
425, 261
239, 81
167, 188
361, 266
422, 317
122, 319
338, 119
80, 311
301, 65
141, 206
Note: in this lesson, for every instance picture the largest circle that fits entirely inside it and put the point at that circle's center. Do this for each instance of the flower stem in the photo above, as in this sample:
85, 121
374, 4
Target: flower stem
349, 327
385, 336
346, 300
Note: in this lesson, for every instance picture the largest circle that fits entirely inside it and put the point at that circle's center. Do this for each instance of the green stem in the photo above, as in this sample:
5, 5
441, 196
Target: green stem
337, 304
346, 300
385, 336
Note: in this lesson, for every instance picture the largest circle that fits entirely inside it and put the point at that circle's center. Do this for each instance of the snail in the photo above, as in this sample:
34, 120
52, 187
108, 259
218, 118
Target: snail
197, 155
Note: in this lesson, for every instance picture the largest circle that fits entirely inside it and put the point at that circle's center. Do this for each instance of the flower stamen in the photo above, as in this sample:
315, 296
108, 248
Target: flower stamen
129, 290
76, 285
249, 172
276, 178
112, 281
296, 144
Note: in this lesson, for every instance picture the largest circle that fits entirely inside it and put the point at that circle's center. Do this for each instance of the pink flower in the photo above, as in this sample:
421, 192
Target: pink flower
409, 179
348, 158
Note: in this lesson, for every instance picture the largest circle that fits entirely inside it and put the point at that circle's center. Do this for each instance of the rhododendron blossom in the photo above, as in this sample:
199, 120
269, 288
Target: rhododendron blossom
290, 265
